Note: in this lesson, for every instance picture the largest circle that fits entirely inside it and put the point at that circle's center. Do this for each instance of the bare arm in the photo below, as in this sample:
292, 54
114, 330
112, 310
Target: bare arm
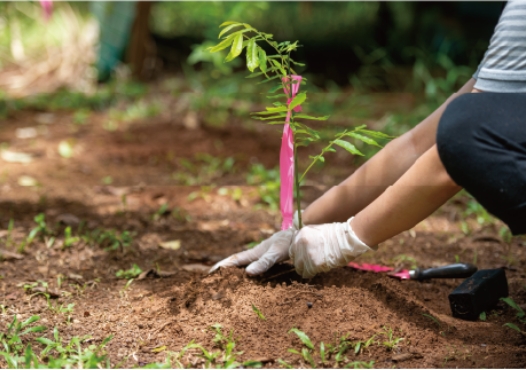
381, 171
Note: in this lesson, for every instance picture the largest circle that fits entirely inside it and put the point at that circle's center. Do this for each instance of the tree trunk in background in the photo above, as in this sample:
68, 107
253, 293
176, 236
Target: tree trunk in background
141, 54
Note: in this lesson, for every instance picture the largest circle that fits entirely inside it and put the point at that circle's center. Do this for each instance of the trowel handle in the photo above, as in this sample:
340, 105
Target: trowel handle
455, 270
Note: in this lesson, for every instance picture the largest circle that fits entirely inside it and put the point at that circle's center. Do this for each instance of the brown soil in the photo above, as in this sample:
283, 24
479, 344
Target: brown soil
174, 310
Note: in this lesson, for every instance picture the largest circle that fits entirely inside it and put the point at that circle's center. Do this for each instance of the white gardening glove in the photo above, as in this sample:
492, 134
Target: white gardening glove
319, 248
265, 255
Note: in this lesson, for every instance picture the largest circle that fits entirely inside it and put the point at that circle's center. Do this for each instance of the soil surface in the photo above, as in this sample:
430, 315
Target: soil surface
177, 302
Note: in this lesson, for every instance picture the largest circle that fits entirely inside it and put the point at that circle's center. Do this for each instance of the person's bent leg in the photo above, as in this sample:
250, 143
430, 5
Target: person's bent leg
481, 140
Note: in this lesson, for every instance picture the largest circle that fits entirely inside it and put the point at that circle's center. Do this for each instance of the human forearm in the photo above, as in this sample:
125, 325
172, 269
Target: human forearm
377, 174
418, 193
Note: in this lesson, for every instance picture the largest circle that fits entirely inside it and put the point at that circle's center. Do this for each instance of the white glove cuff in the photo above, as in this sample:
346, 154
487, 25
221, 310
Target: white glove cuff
354, 246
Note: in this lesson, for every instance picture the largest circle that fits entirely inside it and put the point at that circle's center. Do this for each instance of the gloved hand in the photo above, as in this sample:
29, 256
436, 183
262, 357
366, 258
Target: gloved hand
265, 255
319, 248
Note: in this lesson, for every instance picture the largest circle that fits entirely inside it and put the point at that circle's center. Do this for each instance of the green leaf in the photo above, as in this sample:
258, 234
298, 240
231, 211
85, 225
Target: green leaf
31, 320
237, 47
305, 116
45, 341
228, 23
303, 337
365, 139
296, 63
482, 316
222, 45
513, 326
271, 110
375, 134
280, 108
269, 118
252, 55
258, 312
512, 304
275, 88
307, 356
348, 146
262, 60
226, 29
278, 65
298, 100
292, 350
256, 74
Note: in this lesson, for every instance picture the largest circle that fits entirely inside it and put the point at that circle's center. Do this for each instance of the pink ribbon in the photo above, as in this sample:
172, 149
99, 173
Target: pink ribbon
286, 158
47, 7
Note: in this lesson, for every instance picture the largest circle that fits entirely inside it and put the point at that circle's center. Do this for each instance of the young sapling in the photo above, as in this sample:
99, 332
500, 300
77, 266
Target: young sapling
286, 109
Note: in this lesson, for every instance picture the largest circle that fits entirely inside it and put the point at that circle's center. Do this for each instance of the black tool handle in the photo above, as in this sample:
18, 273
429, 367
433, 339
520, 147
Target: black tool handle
455, 270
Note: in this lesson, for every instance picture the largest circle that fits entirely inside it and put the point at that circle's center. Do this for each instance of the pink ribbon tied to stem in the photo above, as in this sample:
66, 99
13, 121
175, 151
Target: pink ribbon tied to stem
286, 157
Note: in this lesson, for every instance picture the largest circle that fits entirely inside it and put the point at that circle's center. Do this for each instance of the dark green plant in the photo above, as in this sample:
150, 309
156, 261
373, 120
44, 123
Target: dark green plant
280, 66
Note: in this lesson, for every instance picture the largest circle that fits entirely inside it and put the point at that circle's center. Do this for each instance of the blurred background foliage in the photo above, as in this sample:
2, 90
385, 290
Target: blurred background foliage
425, 48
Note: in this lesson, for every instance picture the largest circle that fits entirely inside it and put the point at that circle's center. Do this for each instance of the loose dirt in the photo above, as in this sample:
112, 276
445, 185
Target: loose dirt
173, 310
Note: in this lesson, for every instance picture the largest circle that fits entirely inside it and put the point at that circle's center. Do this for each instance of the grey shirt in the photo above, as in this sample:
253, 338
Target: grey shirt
503, 68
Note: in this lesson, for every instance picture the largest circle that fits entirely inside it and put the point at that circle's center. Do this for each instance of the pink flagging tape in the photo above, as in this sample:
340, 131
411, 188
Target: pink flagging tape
286, 159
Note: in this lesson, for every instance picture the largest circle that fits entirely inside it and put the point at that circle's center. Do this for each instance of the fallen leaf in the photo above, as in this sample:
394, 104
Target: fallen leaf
8, 255
75, 277
68, 219
13, 296
16, 157
27, 181
196, 267
52, 294
402, 357
172, 244
45, 118
159, 349
26, 132
213, 225
155, 274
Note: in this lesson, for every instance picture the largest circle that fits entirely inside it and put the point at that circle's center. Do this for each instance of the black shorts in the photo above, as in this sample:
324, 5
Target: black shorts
481, 140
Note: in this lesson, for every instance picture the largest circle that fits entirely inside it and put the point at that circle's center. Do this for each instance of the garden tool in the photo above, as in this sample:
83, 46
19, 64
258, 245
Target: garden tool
456, 270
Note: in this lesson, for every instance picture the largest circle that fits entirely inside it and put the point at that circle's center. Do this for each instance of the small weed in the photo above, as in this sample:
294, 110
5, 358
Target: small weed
110, 240
162, 211
436, 321
360, 365
258, 312
520, 314
329, 352
482, 316
225, 358
69, 239
204, 169
131, 273
391, 342
11, 339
